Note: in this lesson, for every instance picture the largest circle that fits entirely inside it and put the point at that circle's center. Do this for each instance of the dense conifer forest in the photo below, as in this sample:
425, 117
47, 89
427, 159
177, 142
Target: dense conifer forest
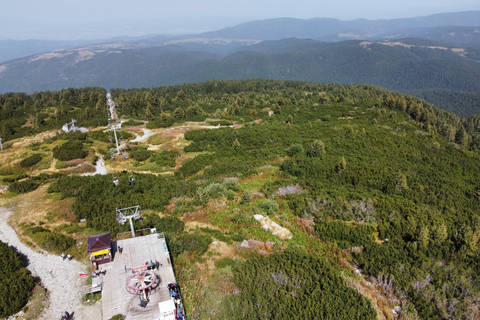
379, 181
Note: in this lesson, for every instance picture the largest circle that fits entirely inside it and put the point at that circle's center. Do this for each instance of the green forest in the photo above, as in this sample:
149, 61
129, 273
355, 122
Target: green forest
15, 279
389, 181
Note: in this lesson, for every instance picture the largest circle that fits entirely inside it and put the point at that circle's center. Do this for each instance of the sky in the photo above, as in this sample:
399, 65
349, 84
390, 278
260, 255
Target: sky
68, 19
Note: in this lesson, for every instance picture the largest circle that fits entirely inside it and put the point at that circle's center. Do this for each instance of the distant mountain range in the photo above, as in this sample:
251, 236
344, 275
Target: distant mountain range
430, 57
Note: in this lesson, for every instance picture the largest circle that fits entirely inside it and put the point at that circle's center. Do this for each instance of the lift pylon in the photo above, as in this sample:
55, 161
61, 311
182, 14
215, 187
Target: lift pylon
129, 213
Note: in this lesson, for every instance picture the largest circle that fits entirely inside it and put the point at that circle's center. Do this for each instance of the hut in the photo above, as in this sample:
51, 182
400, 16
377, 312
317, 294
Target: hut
100, 249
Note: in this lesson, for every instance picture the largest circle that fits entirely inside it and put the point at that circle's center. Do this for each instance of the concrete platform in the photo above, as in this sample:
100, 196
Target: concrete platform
136, 251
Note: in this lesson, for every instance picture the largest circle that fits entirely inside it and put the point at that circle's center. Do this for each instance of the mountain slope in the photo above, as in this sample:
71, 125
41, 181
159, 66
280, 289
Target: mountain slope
406, 66
377, 188
324, 29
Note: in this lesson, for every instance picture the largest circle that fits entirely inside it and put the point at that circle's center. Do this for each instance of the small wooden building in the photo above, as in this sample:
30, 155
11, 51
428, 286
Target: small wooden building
100, 249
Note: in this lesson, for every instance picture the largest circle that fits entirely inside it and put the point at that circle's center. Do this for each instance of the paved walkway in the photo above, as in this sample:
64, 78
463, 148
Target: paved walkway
136, 251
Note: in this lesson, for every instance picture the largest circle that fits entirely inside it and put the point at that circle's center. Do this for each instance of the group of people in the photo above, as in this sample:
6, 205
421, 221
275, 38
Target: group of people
102, 272
175, 294
152, 265
68, 256
67, 316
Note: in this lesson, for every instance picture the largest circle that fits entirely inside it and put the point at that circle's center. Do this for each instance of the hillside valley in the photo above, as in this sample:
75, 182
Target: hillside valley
378, 190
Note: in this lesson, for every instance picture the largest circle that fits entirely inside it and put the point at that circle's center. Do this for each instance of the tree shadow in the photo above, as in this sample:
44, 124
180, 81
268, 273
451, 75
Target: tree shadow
24, 257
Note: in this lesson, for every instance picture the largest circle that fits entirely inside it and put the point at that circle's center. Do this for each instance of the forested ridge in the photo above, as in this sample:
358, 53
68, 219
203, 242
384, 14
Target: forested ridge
407, 65
389, 181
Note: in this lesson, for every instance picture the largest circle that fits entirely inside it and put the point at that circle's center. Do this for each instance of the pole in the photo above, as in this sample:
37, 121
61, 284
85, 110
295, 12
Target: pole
131, 227
1, 145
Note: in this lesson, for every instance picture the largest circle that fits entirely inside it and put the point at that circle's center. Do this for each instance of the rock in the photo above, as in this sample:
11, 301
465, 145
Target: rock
244, 244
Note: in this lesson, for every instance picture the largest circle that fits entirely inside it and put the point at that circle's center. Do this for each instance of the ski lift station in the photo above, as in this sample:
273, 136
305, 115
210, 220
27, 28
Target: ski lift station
70, 127
135, 283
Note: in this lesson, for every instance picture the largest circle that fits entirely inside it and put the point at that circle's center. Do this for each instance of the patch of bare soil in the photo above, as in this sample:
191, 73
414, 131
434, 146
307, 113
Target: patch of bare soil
192, 225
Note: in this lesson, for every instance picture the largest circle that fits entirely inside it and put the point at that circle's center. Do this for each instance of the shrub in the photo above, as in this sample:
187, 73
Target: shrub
31, 161
50, 241
317, 149
191, 166
225, 262
161, 123
190, 242
295, 149
246, 196
131, 123
230, 194
231, 184
14, 178
140, 154
165, 158
23, 186
69, 151
16, 281
269, 206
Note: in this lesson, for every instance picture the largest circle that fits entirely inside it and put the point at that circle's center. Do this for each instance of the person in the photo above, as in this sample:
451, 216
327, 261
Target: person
152, 265
120, 249
157, 264
174, 294
63, 256
69, 257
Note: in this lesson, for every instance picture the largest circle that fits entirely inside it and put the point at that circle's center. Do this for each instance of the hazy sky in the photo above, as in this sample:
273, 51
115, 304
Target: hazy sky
77, 19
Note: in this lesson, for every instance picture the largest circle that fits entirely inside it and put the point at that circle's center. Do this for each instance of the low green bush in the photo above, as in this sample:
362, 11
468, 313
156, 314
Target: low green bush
269, 206
196, 243
69, 151
23, 186
16, 281
165, 158
31, 161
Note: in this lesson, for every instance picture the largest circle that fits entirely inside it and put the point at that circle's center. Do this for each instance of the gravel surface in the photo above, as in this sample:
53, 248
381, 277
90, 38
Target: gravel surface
147, 133
99, 168
60, 278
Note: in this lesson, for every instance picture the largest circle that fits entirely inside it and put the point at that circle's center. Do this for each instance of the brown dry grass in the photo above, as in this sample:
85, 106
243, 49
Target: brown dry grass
382, 302
191, 225
30, 207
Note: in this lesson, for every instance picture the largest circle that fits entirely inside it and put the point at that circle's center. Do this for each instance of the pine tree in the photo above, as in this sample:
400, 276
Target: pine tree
317, 149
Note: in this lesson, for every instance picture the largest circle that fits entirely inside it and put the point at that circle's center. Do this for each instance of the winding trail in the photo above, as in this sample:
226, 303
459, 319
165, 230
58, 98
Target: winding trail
60, 278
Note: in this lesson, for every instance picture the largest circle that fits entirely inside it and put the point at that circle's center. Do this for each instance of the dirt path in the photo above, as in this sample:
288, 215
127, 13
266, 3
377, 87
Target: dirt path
99, 168
60, 278
147, 133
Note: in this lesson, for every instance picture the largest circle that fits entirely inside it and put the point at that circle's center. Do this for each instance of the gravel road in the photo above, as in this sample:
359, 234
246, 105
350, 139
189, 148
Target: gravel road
60, 278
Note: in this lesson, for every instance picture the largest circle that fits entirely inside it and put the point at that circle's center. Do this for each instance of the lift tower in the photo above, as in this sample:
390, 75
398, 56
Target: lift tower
129, 213
113, 123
